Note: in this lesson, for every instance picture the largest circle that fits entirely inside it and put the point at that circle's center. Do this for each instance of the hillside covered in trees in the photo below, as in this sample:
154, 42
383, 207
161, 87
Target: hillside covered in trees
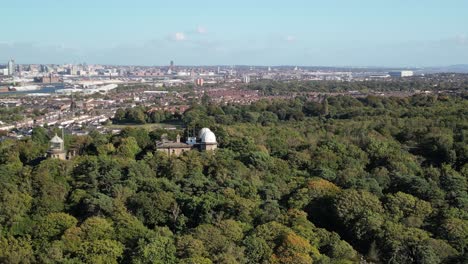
431, 82
342, 181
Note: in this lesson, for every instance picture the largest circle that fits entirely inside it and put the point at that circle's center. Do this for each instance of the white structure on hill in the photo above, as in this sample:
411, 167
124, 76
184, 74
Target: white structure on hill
57, 149
206, 141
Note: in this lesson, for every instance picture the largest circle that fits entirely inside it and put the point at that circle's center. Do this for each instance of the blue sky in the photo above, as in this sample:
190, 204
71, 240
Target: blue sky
255, 32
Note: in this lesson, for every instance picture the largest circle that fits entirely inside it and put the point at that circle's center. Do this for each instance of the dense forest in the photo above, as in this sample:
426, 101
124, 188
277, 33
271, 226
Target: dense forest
433, 82
375, 179
143, 115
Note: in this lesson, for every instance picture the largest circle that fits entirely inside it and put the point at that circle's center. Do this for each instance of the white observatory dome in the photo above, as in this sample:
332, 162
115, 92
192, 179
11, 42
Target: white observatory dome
202, 131
208, 137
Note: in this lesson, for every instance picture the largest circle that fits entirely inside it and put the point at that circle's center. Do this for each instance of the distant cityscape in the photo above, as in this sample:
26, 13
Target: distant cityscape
81, 98
93, 78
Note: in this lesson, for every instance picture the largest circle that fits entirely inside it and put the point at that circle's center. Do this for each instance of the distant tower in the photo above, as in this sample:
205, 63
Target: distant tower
11, 67
199, 82
57, 149
172, 65
246, 79
44, 68
19, 69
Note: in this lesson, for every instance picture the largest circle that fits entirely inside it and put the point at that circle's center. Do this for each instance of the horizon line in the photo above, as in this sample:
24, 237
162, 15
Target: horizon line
257, 65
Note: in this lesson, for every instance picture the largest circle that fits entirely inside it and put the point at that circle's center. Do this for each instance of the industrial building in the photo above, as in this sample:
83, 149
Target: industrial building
401, 74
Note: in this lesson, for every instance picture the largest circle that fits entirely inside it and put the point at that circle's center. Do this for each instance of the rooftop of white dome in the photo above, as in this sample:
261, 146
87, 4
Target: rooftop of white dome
202, 131
208, 137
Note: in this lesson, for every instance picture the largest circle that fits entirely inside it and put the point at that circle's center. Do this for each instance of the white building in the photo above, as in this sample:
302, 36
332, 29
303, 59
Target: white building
400, 74
11, 67
206, 141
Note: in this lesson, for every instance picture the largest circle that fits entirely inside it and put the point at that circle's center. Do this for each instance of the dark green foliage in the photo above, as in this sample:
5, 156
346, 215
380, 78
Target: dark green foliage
141, 115
294, 181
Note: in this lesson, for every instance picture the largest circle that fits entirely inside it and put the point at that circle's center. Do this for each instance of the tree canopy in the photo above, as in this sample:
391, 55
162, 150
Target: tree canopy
293, 181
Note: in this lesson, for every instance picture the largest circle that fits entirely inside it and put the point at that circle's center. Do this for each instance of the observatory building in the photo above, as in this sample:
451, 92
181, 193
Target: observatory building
57, 149
205, 141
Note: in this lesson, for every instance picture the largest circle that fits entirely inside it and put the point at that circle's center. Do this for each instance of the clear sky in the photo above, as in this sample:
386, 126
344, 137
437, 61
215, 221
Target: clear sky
255, 32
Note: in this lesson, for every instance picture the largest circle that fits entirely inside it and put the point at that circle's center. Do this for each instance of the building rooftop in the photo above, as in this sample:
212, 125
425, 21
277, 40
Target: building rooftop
172, 145
208, 136
56, 139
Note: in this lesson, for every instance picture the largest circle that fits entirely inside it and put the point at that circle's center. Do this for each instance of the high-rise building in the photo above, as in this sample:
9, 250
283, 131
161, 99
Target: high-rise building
199, 82
246, 79
44, 68
172, 65
11, 67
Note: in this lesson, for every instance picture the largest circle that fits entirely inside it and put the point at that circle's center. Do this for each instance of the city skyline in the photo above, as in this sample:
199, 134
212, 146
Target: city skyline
303, 33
